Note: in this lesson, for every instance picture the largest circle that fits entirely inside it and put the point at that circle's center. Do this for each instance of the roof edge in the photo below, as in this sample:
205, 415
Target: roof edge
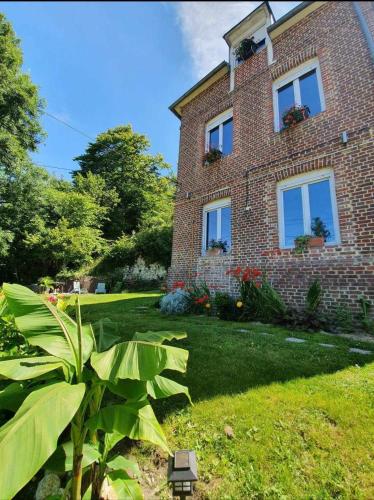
291, 14
176, 105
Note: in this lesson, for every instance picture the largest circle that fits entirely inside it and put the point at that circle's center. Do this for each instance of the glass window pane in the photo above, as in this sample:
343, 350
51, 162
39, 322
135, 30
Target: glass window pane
211, 227
226, 226
293, 215
320, 205
227, 137
286, 100
309, 92
214, 138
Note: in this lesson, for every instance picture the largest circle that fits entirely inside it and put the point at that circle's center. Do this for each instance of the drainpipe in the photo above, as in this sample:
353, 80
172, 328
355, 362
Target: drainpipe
364, 27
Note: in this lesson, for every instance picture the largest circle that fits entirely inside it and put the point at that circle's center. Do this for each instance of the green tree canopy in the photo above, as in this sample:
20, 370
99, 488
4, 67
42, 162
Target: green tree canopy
120, 156
20, 105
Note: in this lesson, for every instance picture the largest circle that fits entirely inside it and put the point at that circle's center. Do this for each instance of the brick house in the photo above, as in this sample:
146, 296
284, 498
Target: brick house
270, 184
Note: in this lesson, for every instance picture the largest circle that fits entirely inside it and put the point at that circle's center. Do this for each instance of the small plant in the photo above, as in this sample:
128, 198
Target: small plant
200, 299
302, 243
227, 307
245, 49
175, 302
218, 244
343, 319
211, 156
45, 283
364, 316
319, 228
294, 115
313, 318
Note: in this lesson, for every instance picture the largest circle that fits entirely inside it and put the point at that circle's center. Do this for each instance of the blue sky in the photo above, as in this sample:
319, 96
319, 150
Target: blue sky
101, 64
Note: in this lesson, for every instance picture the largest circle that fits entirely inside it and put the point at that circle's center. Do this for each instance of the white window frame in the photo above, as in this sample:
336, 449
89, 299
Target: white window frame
211, 207
294, 76
218, 121
303, 181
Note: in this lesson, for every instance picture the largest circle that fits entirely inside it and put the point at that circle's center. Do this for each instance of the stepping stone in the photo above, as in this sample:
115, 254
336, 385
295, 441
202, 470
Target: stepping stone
243, 331
295, 340
359, 351
327, 345
265, 333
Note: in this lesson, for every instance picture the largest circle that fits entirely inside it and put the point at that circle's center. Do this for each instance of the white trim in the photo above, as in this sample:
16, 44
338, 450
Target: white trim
293, 76
217, 121
211, 207
303, 181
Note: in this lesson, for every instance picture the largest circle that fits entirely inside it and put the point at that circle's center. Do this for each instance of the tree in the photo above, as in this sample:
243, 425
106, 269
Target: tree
120, 157
20, 105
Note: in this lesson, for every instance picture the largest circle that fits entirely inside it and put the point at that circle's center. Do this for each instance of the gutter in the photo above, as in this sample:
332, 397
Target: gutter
364, 28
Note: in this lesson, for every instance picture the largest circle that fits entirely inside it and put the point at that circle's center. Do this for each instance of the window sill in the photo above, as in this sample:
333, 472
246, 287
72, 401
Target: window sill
284, 129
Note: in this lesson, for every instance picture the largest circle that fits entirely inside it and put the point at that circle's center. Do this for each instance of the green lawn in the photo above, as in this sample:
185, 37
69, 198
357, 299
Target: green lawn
302, 415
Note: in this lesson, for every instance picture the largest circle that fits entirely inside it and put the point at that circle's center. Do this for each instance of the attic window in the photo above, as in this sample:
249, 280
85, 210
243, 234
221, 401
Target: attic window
247, 48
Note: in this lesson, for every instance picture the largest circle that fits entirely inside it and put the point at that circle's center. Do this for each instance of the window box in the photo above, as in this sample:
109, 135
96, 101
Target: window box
316, 242
212, 156
214, 252
295, 115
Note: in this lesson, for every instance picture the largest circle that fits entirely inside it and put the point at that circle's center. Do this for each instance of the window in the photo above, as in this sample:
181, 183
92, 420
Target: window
302, 199
217, 223
219, 133
302, 86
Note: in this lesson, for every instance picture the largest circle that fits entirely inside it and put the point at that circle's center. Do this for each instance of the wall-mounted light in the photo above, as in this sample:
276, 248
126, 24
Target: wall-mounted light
344, 137
182, 472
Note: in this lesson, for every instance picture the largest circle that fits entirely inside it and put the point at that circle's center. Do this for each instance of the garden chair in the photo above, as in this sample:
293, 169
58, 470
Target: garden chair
100, 288
76, 287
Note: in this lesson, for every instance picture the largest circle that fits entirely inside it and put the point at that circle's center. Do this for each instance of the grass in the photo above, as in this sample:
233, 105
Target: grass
302, 415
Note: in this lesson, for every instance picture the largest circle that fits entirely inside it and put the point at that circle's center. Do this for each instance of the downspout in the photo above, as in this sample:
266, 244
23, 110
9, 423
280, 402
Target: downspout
365, 28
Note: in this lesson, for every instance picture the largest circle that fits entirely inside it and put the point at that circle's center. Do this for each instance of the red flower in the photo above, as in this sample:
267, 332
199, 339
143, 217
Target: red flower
179, 284
256, 272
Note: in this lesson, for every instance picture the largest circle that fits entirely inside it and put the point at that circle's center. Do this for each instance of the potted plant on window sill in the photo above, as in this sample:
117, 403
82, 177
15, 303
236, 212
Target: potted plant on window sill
315, 240
245, 49
295, 115
216, 247
211, 156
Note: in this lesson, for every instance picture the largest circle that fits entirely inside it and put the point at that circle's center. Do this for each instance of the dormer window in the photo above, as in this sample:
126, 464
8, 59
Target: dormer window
247, 48
219, 133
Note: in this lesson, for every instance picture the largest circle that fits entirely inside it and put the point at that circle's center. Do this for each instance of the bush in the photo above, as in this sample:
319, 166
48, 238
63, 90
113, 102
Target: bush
199, 297
226, 307
175, 302
343, 319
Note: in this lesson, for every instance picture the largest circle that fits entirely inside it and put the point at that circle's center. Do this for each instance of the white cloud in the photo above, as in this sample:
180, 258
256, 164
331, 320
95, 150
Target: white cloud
204, 23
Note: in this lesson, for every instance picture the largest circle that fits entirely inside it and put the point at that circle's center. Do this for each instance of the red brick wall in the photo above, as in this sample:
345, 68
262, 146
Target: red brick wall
262, 157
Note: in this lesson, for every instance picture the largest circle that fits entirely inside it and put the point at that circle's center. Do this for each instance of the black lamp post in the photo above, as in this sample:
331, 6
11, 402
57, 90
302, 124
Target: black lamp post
182, 472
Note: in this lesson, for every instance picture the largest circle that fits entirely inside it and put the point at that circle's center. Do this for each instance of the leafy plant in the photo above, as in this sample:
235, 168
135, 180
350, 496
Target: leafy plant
246, 49
218, 244
343, 319
294, 115
366, 321
319, 228
302, 243
199, 298
212, 155
65, 387
175, 302
313, 318
226, 307
46, 282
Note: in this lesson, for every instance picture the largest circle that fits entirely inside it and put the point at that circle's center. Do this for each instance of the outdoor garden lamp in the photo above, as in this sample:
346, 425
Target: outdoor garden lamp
182, 472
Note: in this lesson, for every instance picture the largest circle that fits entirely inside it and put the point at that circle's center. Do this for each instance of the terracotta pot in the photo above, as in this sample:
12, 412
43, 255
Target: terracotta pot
316, 242
213, 252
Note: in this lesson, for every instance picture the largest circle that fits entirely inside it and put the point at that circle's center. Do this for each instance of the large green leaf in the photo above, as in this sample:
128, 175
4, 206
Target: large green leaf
138, 361
132, 390
161, 387
135, 420
13, 396
158, 337
27, 368
46, 326
118, 485
122, 463
106, 333
29, 438
62, 458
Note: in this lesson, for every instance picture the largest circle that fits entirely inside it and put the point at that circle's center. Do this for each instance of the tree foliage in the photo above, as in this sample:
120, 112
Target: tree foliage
120, 157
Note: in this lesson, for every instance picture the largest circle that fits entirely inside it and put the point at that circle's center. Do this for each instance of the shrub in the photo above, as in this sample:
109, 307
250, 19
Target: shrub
226, 307
367, 323
199, 297
175, 302
312, 317
343, 319
154, 245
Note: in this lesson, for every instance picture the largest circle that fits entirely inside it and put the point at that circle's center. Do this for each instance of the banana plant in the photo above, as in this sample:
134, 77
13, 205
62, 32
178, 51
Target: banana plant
63, 387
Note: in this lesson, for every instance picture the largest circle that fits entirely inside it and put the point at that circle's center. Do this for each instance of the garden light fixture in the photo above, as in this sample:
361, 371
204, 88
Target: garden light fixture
182, 472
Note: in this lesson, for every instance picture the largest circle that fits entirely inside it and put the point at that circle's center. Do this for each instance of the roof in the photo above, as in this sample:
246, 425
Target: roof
262, 6
201, 85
